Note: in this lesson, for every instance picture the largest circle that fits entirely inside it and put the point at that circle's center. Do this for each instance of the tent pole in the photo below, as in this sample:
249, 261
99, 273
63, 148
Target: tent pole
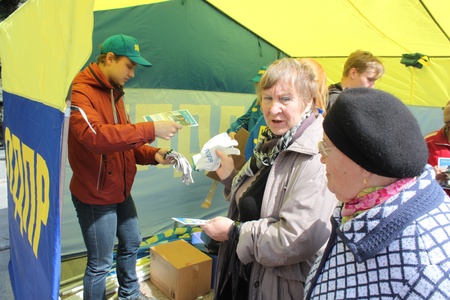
62, 173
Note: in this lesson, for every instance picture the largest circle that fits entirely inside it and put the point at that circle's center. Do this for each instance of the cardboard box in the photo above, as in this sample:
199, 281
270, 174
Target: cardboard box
180, 271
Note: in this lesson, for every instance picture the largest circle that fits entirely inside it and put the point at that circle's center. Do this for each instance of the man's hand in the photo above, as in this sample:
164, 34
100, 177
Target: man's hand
160, 157
166, 129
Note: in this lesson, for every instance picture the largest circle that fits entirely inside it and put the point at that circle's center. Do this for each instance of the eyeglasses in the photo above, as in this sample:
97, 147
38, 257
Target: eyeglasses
323, 150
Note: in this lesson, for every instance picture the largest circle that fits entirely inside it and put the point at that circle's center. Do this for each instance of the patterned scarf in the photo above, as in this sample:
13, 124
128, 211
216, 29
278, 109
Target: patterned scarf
371, 197
266, 151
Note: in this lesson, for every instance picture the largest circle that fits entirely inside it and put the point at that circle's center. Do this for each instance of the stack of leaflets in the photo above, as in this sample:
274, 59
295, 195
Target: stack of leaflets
190, 221
182, 117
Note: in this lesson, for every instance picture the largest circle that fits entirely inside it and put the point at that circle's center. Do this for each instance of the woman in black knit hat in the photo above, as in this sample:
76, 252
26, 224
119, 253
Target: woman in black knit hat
391, 231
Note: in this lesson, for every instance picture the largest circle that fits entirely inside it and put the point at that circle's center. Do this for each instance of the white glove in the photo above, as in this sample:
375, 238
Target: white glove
207, 159
181, 165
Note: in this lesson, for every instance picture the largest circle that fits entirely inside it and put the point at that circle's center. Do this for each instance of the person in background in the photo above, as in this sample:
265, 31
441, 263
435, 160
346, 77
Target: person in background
278, 218
321, 102
438, 143
249, 119
321, 99
104, 148
361, 69
391, 230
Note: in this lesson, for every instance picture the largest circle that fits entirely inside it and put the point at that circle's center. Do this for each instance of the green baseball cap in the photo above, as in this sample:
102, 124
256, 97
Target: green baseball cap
260, 73
126, 46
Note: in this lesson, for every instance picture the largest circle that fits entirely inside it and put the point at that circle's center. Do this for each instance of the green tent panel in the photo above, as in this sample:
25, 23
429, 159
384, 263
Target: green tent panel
190, 44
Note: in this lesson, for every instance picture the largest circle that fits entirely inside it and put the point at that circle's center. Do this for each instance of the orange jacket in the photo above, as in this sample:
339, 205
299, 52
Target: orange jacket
102, 154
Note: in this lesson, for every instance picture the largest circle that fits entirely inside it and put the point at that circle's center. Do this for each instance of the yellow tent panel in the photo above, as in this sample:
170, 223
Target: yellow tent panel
329, 30
336, 27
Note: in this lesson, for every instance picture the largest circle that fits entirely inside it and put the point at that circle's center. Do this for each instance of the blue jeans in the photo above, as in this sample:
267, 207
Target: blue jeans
100, 225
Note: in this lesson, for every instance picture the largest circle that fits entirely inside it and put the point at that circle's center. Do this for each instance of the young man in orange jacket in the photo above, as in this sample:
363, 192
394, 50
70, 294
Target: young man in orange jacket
104, 148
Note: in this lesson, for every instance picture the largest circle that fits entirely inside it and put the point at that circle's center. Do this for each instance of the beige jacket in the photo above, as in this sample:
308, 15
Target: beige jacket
294, 223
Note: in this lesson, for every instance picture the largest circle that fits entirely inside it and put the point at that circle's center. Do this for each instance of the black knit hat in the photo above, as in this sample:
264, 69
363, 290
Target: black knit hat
378, 132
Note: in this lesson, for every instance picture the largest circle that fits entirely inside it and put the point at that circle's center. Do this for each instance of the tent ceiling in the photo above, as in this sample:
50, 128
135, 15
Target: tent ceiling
328, 30
335, 28
338, 27
115, 4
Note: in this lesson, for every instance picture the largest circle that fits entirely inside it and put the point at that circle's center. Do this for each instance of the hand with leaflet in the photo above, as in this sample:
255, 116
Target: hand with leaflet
166, 129
218, 228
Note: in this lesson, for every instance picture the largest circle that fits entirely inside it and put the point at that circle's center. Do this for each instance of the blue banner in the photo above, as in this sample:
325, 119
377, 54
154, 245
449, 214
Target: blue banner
39, 63
33, 151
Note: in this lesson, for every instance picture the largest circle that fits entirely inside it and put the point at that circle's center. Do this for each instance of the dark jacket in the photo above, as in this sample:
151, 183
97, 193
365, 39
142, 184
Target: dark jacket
334, 90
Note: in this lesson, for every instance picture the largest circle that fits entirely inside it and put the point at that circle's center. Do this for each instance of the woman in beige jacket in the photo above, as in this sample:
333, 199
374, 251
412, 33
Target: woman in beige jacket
280, 206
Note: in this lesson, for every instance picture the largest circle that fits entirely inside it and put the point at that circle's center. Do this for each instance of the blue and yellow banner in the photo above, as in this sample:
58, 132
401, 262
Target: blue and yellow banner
43, 45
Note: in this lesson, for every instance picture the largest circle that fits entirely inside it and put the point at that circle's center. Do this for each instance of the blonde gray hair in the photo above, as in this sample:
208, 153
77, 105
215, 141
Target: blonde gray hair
294, 73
